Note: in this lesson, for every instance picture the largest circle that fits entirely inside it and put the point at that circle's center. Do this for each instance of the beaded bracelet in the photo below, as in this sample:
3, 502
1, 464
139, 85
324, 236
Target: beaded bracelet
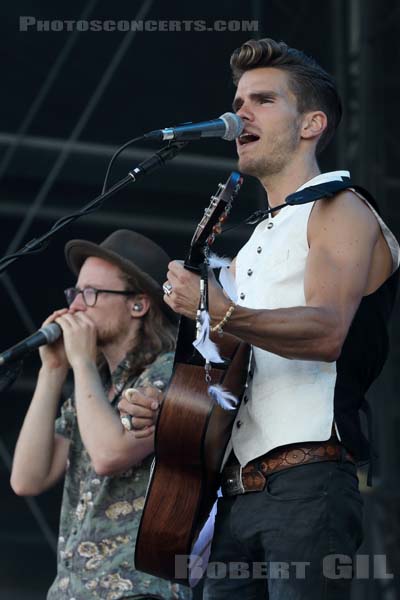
219, 326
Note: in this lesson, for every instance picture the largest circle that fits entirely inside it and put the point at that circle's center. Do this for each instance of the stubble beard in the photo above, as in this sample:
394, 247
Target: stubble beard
273, 161
260, 167
108, 336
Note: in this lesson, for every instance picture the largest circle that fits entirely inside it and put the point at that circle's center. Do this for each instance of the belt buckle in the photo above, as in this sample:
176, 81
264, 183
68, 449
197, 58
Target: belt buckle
232, 483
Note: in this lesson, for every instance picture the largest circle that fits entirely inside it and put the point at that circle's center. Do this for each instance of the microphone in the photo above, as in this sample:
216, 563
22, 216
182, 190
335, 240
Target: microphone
228, 127
45, 335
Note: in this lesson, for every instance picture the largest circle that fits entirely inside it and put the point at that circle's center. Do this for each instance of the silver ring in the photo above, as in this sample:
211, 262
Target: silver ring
126, 422
167, 289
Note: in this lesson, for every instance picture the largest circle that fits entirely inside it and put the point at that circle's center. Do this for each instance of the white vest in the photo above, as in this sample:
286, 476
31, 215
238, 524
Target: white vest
288, 401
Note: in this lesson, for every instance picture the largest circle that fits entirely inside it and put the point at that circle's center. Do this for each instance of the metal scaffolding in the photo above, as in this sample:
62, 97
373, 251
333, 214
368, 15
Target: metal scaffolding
40, 199
358, 39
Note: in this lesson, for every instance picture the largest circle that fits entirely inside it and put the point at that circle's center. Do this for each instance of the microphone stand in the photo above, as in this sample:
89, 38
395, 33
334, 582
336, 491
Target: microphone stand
158, 159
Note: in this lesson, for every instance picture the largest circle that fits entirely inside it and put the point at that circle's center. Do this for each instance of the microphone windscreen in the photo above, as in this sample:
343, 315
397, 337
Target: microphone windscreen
234, 126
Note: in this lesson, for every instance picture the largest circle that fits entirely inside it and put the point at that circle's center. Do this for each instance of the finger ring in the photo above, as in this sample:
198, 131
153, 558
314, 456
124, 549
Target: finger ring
167, 288
126, 422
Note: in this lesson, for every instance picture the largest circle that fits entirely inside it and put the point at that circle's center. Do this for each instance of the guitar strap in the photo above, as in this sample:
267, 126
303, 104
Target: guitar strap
311, 194
328, 190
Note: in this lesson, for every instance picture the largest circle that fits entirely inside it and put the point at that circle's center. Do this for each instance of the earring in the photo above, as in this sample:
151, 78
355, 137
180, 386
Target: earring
137, 306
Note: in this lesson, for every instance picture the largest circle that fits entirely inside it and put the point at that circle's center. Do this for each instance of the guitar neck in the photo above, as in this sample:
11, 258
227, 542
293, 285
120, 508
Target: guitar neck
207, 229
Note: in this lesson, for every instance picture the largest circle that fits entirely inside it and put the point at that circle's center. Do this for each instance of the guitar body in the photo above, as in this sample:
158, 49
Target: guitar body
192, 434
191, 437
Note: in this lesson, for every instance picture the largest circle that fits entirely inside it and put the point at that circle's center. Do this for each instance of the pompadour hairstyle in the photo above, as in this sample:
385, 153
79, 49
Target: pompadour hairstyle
312, 86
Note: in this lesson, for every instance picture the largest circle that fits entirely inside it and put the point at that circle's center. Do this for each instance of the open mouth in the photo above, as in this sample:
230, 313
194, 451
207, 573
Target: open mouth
247, 138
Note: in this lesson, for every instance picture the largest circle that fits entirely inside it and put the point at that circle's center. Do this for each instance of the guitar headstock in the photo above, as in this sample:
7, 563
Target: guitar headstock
214, 216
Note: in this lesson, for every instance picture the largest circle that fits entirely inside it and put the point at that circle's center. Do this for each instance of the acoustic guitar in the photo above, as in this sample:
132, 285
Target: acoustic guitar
192, 431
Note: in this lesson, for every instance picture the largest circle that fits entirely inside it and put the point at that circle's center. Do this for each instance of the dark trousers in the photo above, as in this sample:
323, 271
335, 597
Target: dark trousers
293, 541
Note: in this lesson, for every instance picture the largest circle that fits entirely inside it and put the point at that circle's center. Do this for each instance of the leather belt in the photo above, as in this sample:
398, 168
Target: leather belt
253, 477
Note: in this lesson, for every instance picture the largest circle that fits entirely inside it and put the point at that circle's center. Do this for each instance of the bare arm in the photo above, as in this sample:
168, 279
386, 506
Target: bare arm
111, 447
342, 236
40, 456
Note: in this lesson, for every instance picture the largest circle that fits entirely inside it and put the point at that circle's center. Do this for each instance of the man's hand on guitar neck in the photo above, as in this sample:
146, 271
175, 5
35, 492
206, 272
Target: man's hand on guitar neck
183, 293
139, 410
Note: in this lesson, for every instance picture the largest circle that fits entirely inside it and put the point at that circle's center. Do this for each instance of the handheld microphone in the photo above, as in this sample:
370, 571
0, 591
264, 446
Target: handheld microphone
45, 335
228, 127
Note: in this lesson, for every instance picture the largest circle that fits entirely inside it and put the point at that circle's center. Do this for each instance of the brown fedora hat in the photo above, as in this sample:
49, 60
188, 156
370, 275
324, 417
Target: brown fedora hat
133, 253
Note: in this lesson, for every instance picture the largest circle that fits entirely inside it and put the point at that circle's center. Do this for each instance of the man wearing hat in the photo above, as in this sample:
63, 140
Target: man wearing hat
118, 337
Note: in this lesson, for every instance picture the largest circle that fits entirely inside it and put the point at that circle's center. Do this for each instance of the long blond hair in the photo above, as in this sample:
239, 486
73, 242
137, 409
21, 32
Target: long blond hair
157, 333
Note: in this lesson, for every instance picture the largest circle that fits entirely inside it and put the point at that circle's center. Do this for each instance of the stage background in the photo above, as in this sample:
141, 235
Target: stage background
70, 98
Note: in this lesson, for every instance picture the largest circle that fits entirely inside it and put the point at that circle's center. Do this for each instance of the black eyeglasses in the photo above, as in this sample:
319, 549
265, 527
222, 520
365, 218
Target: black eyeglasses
89, 294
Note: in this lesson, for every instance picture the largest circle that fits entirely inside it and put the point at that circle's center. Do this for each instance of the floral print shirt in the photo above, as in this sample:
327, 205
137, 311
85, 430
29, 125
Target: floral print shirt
100, 515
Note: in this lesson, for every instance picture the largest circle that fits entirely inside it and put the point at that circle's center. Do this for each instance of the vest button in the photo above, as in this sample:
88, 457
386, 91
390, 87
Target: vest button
259, 250
238, 424
270, 225
245, 399
250, 272
242, 296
